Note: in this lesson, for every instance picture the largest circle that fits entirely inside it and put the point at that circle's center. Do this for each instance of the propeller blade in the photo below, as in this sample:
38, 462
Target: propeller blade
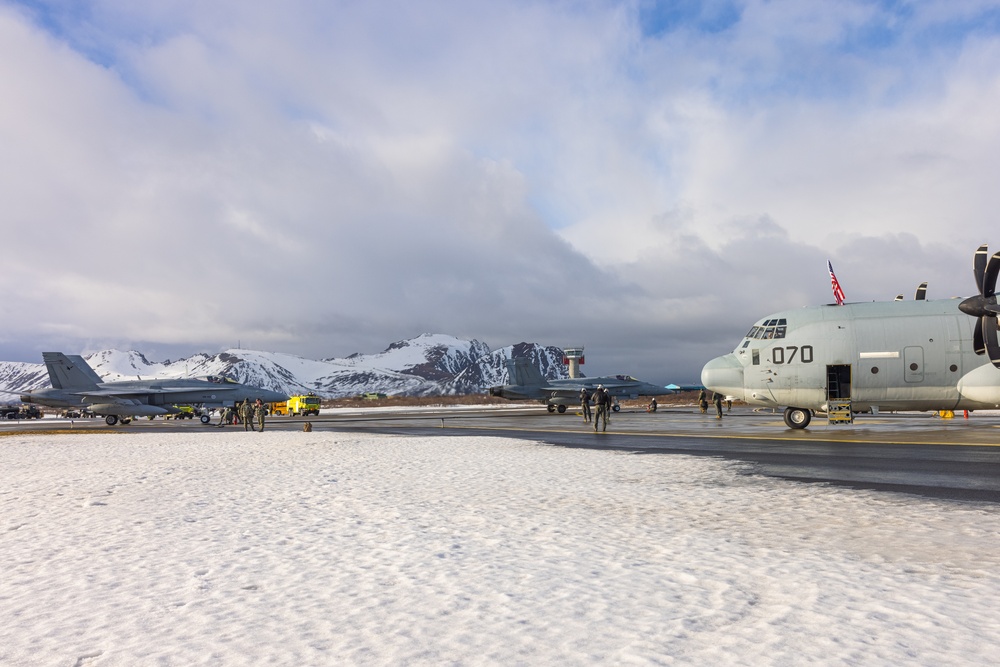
978, 343
921, 294
990, 277
979, 266
992, 344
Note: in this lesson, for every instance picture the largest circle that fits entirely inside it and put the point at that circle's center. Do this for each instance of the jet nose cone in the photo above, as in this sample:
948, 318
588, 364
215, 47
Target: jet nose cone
724, 375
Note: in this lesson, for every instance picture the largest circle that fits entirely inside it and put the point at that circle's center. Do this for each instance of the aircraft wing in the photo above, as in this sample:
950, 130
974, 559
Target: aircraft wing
685, 387
145, 392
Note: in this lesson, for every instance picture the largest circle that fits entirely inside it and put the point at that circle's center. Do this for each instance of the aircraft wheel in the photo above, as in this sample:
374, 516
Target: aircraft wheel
616, 408
562, 409
111, 420
205, 419
551, 408
126, 420
797, 418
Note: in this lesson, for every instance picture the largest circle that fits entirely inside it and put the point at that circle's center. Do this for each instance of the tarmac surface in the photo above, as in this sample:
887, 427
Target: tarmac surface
917, 453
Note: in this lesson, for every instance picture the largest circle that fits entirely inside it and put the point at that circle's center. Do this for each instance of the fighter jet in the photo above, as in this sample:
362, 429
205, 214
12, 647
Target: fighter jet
528, 385
75, 384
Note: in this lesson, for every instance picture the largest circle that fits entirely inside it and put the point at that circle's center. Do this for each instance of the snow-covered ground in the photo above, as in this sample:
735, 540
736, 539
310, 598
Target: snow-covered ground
280, 548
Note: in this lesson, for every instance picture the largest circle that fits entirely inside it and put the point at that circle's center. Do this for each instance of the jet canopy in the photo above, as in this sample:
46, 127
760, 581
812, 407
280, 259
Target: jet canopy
219, 379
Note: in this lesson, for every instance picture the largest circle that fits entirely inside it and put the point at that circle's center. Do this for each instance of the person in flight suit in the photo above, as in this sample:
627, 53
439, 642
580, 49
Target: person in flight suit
246, 414
585, 404
603, 400
259, 411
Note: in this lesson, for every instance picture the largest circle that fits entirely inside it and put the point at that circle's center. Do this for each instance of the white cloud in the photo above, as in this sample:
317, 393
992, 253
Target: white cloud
325, 178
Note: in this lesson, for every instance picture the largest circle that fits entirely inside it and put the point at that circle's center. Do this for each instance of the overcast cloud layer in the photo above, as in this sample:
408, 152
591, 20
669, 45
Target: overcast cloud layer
321, 178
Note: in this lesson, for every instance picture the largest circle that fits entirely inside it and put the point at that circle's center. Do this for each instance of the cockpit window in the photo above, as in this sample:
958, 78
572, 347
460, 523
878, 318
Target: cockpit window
769, 329
219, 379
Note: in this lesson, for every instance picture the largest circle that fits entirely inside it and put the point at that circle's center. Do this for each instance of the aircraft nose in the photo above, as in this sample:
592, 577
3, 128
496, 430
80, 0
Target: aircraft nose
724, 375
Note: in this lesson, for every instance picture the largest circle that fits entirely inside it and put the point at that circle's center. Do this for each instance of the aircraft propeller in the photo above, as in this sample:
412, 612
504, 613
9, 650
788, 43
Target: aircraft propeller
984, 305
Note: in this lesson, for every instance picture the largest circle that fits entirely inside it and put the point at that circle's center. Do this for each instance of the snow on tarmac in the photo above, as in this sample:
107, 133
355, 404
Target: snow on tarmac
233, 548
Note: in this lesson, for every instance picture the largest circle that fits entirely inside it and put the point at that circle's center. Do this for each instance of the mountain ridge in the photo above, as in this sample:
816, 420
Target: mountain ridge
427, 365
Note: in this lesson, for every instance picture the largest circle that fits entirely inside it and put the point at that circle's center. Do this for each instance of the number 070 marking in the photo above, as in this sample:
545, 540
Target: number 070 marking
805, 353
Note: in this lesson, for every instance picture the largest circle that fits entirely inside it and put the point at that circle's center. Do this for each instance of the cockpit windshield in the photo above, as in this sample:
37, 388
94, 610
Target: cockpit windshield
768, 329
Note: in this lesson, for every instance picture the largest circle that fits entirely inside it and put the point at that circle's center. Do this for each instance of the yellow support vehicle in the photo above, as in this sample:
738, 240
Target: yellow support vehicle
307, 404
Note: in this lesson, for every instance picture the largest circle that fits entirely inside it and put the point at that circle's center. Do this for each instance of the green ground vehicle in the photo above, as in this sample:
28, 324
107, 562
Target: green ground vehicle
20, 412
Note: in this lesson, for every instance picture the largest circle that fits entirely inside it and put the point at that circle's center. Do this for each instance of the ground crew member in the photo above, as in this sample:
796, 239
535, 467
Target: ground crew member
718, 405
259, 411
652, 405
225, 417
246, 414
603, 400
703, 401
585, 404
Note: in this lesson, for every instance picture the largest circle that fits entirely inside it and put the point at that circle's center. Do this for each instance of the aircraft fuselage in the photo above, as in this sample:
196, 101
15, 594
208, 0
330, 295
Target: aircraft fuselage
898, 355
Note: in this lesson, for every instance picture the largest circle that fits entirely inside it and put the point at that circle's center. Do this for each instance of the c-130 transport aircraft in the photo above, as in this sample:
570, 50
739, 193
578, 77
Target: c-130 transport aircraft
861, 357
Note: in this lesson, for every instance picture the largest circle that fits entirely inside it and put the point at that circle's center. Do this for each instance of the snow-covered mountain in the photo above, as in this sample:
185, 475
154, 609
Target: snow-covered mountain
428, 365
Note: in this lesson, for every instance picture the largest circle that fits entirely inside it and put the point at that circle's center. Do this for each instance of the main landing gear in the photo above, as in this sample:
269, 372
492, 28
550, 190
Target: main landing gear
797, 417
111, 420
560, 408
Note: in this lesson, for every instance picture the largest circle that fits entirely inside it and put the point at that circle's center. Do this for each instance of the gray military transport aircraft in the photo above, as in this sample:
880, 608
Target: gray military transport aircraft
866, 357
75, 384
529, 385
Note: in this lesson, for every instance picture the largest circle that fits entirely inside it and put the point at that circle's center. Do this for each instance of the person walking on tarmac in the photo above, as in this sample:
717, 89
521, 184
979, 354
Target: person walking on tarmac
703, 401
246, 414
259, 411
585, 404
603, 400
225, 416
717, 399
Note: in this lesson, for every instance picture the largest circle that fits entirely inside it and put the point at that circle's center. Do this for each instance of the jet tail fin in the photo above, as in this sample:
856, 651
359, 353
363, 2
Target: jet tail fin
70, 371
523, 373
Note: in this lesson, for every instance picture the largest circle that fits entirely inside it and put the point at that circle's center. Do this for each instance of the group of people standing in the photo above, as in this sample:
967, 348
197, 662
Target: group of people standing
602, 399
248, 412
717, 399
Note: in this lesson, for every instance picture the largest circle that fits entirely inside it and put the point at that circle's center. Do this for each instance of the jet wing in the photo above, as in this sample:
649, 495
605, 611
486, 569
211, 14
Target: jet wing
112, 393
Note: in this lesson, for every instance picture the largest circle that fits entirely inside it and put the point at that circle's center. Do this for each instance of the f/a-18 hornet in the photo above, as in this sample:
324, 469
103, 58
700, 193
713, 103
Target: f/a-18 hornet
528, 385
75, 384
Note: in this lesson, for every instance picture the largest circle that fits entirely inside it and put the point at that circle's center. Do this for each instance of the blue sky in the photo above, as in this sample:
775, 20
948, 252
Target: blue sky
646, 179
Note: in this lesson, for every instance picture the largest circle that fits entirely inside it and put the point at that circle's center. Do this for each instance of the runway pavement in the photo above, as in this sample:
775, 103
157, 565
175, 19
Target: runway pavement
910, 453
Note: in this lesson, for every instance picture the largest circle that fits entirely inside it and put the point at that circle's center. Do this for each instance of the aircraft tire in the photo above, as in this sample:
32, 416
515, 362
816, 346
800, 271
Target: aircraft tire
205, 419
797, 418
111, 420
551, 408
561, 409
616, 408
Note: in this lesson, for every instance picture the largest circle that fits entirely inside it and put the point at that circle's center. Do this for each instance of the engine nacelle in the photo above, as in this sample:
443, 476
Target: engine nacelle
981, 385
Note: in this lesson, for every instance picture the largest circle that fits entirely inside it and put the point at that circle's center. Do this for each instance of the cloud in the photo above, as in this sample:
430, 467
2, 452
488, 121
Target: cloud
325, 178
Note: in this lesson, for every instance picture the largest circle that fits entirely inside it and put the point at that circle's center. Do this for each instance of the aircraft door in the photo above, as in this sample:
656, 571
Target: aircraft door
913, 364
838, 382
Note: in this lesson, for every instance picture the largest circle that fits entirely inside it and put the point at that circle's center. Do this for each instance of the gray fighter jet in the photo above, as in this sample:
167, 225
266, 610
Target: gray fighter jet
75, 384
528, 385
